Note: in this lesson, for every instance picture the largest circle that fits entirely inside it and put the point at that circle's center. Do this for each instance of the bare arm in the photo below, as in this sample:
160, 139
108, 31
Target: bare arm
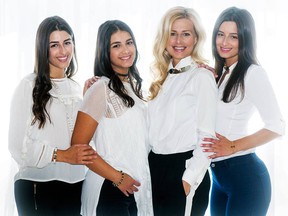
84, 129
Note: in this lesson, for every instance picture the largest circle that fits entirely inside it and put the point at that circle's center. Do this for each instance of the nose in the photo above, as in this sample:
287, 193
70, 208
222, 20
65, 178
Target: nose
178, 38
224, 40
126, 50
62, 49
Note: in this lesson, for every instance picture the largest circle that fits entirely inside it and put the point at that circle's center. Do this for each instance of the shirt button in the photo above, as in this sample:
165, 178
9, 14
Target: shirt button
212, 165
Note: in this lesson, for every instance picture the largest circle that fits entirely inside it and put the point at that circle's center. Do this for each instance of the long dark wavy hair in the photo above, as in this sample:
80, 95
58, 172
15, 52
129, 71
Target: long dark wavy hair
103, 66
43, 84
247, 50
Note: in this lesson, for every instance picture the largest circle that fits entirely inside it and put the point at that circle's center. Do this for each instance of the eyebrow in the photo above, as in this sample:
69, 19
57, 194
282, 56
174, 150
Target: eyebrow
229, 33
68, 39
186, 30
118, 42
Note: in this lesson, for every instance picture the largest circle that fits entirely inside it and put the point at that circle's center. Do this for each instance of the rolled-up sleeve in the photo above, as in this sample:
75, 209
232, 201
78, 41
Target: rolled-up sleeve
260, 92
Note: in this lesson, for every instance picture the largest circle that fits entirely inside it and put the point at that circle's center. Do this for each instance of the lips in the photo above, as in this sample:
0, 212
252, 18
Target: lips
125, 57
62, 59
179, 49
225, 50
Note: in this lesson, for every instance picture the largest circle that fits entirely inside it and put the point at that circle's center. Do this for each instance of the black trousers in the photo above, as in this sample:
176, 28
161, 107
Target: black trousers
113, 202
168, 194
53, 198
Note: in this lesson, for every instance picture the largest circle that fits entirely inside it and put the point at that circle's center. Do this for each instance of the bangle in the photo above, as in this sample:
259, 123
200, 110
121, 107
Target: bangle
121, 180
54, 155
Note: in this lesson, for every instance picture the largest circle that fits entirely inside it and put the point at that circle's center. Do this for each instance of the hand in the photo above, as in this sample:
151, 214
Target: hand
77, 154
89, 82
208, 68
220, 146
128, 185
186, 187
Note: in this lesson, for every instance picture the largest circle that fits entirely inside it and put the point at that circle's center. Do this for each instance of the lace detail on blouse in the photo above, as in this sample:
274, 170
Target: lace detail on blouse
115, 105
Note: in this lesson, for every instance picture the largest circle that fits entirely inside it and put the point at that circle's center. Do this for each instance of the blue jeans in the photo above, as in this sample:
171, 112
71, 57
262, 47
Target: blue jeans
241, 186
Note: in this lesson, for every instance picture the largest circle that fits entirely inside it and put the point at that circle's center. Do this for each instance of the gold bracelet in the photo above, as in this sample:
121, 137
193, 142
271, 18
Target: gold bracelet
55, 155
233, 147
121, 180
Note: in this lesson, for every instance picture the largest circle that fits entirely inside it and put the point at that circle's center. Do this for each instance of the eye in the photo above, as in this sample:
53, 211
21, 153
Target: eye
186, 34
115, 46
68, 42
234, 37
173, 34
130, 42
220, 34
53, 45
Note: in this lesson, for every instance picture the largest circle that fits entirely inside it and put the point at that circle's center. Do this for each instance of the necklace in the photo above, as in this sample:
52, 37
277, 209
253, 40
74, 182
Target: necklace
125, 76
68, 103
181, 70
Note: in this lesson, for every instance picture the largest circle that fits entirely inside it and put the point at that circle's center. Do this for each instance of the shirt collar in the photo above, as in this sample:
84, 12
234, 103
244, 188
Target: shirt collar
182, 63
231, 68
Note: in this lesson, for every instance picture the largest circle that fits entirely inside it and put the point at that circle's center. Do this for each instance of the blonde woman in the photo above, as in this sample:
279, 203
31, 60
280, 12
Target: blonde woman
181, 112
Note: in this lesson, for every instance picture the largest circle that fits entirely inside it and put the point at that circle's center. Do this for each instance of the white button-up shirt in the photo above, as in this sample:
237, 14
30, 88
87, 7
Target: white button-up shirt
233, 117
184, 112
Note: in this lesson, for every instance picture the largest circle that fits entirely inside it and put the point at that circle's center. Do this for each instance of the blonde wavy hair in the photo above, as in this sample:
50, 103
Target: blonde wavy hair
162, 58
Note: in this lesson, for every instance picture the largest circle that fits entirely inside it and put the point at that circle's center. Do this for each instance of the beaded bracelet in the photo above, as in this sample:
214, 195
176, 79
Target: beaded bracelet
55, 155
121, 180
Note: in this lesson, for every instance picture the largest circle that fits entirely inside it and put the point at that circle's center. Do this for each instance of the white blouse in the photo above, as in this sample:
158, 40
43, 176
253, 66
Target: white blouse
121, 140
233, 118
31, 147
182, 114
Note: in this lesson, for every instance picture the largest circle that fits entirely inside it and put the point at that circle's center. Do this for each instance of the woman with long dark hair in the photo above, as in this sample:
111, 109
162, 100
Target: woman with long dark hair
241, 182
113, 115
43, 112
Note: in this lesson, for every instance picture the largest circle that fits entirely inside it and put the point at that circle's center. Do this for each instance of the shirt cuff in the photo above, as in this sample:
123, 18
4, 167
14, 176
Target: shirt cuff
189, 177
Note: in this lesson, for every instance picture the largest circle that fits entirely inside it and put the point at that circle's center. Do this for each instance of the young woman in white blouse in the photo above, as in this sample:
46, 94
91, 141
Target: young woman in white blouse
113, 115
181, 112
42, 116
241, 182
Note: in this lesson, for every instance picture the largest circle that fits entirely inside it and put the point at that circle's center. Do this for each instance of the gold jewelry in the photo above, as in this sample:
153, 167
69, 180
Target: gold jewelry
233, 147
181, 70
55, 155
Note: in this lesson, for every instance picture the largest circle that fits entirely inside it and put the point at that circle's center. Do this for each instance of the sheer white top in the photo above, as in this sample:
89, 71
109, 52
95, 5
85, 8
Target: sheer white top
121, 140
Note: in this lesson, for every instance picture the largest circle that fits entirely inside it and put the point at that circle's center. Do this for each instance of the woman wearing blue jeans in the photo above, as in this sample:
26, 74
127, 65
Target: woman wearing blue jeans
241, 182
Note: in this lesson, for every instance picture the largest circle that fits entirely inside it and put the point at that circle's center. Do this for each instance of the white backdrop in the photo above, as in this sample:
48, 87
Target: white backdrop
19, 20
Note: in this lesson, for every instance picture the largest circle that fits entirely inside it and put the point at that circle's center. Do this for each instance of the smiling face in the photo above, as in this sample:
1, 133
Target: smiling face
60, 53
227, 42
182, 40
122, 51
